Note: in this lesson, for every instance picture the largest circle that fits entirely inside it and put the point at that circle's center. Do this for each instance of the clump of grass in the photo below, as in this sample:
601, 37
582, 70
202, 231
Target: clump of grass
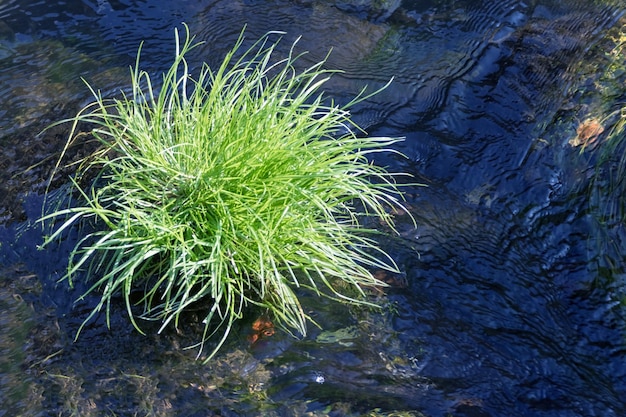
231, 189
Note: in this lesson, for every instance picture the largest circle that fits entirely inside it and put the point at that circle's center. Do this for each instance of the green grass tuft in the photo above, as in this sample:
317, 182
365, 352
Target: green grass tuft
231, 189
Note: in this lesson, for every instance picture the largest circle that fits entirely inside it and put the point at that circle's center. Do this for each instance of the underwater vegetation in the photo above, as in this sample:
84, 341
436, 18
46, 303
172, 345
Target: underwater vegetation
608, 183
242, 187
601, 140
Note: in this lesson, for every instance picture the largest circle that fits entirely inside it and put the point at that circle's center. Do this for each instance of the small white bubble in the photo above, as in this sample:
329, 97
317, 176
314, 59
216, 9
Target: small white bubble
319, 378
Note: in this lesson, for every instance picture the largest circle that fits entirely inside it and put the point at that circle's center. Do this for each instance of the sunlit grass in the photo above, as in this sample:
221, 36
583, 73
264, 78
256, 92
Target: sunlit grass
238, 188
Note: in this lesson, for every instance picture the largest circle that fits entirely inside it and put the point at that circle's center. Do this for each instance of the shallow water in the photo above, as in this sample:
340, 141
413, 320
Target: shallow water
512, 304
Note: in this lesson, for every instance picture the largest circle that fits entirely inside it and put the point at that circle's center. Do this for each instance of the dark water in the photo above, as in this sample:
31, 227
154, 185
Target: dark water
514, 295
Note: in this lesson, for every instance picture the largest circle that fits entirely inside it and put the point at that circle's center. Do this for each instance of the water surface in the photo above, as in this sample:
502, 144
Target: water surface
511, 302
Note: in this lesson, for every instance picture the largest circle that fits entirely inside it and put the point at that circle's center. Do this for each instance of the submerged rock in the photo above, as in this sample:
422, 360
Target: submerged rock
374, 10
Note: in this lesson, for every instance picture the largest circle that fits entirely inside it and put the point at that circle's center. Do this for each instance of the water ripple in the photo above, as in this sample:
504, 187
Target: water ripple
509, 310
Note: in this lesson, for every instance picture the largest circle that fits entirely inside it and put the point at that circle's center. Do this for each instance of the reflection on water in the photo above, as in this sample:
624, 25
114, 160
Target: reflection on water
508, 309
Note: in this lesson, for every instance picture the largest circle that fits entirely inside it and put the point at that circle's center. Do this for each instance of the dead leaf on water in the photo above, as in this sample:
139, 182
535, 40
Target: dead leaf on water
587, 133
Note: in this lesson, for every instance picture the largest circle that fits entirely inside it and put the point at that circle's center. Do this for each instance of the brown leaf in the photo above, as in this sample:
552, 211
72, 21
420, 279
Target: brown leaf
587, 133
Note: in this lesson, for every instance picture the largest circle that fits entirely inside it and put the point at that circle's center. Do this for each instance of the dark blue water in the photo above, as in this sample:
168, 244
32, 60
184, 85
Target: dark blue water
513, 304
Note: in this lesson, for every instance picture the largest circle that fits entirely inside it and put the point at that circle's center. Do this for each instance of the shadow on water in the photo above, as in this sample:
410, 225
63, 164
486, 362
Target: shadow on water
506, 306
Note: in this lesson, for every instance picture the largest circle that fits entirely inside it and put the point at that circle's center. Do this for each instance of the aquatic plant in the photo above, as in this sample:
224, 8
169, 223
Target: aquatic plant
608, 186
239, 188
609, 183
